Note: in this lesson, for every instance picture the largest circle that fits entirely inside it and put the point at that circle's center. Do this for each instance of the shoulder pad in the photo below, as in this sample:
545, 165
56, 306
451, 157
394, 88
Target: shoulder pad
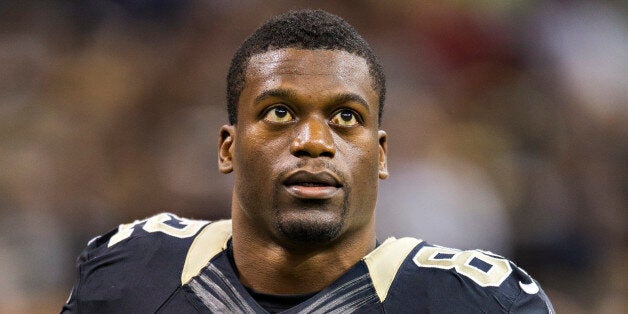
135, 266
165, 223
410, 275
488, 278
153, 232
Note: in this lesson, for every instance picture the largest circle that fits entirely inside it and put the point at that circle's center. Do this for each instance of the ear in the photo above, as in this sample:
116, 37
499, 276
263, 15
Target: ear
225, 148
383, 151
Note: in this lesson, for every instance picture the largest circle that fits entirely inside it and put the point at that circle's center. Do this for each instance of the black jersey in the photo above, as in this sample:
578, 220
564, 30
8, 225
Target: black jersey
167, 264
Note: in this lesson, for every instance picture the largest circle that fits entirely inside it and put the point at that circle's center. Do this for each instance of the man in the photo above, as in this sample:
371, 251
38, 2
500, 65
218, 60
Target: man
305, 100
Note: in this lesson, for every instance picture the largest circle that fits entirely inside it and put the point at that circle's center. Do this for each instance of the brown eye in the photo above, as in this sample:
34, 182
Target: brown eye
345, 118
279, 114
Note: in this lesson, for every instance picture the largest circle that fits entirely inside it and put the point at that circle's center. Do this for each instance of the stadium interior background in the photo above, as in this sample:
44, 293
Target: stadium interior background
507, 124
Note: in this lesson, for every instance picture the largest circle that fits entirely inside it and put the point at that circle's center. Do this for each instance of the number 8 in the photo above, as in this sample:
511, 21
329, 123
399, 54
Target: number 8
497, 269
157, 224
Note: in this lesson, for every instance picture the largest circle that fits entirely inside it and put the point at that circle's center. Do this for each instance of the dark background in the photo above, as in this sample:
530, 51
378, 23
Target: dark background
507, 124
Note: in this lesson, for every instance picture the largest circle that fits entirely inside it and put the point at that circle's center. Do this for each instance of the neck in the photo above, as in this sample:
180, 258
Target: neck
269, 267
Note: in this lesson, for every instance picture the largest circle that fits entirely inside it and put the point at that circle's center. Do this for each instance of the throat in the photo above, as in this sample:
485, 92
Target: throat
269, 266
275, 303
286, 277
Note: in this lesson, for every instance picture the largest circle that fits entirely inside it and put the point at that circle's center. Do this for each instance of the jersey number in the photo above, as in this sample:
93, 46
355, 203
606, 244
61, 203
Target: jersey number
485, 270
157, 224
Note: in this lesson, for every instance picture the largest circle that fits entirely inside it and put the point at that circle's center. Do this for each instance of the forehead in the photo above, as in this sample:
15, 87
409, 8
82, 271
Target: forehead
321, 71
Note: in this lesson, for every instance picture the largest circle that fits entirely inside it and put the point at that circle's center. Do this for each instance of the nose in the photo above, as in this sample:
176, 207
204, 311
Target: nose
313, 139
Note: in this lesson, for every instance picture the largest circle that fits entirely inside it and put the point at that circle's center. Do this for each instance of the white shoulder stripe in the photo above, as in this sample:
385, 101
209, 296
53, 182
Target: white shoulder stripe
384, 262
207, 244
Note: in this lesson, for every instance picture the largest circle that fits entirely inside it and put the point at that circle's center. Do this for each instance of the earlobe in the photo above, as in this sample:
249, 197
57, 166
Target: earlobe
225, 148
383, 151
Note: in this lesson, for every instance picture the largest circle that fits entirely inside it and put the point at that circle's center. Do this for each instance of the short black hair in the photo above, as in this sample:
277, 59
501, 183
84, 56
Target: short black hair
304, 29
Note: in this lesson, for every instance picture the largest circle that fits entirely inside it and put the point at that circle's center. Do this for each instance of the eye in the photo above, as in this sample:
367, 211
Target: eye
345, 117
278, 114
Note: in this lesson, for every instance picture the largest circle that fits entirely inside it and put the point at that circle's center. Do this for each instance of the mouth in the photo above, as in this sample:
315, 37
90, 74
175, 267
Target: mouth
304, 184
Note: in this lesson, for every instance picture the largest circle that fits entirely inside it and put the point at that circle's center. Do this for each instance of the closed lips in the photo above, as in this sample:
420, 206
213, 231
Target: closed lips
306, 178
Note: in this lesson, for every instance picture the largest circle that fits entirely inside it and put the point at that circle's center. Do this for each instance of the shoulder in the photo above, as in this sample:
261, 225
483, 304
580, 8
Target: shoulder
139, 263
439, 278
162, 233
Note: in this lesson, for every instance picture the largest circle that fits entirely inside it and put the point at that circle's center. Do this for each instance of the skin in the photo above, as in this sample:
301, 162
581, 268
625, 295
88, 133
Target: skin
306, 154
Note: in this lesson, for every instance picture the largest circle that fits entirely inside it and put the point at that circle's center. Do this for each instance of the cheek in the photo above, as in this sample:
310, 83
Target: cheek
253, 172
255, 155
362, 157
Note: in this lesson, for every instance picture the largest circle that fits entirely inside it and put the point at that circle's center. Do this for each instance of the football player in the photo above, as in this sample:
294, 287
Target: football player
305, 100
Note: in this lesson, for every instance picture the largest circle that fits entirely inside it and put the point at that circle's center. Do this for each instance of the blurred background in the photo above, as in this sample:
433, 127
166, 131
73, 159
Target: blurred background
507, 124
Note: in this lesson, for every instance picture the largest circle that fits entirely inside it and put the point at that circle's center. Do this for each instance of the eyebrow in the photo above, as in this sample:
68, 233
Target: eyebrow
291, 94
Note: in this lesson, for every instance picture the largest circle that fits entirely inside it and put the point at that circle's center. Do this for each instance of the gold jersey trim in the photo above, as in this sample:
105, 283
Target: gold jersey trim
384, 262
207, 244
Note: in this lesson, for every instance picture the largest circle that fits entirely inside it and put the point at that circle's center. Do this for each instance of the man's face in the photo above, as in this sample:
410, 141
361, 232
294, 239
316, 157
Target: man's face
306, 151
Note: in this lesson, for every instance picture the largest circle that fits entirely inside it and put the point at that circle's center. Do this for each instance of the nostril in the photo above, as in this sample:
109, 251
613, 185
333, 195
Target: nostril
313, 152
301, 153
327, 154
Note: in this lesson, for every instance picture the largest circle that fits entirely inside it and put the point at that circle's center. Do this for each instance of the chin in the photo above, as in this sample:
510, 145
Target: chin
310, 227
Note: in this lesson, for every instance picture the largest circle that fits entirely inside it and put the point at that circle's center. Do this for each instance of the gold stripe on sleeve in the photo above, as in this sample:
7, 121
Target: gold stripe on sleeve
207, 244
384, 262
